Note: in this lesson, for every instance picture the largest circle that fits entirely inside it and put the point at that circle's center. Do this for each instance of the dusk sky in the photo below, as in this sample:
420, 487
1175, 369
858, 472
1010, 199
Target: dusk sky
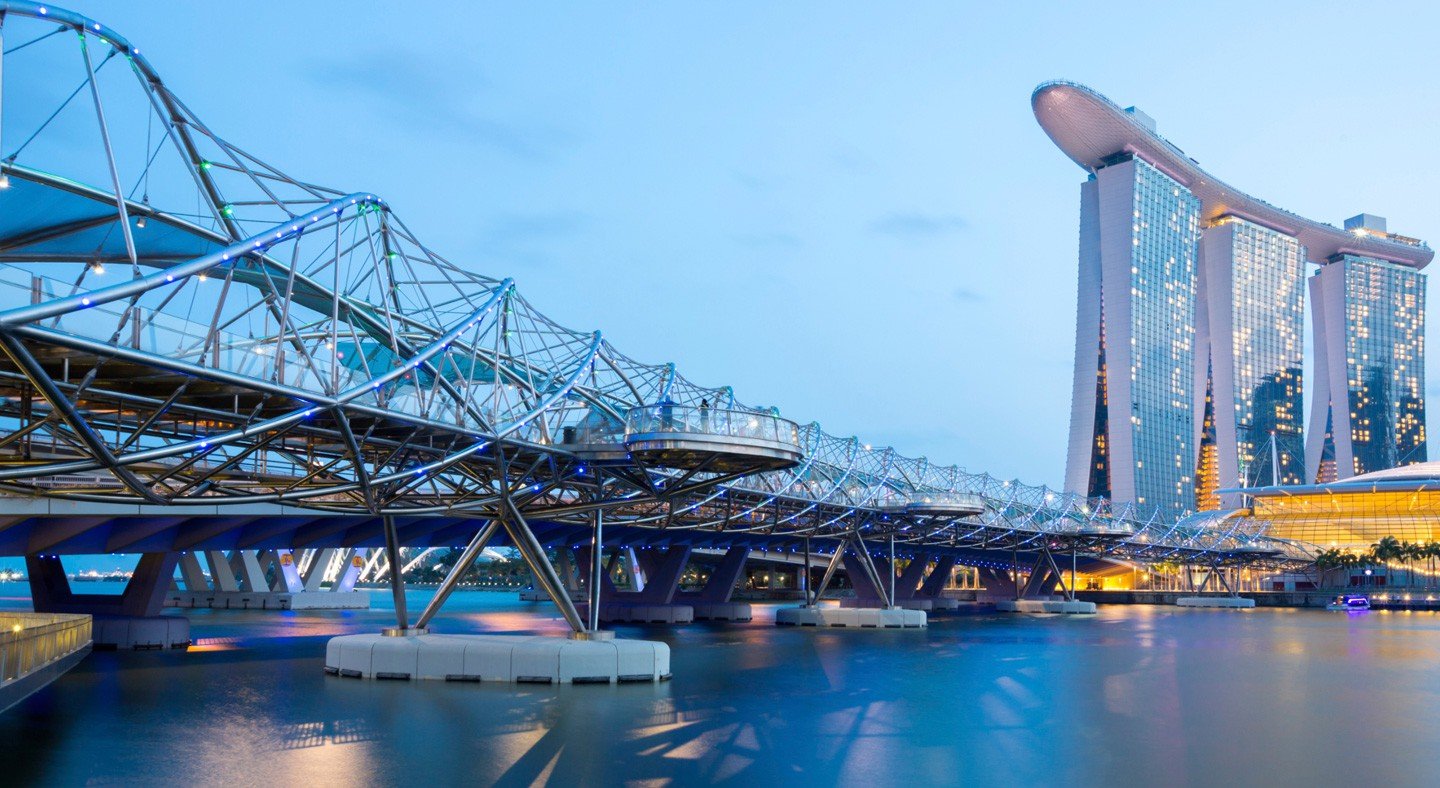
844, 210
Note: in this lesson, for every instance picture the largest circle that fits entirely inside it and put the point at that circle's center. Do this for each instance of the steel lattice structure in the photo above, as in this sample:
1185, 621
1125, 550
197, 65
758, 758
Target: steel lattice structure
185, 325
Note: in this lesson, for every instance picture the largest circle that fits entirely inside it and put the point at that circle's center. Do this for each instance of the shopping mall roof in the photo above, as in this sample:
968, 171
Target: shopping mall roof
1417, 477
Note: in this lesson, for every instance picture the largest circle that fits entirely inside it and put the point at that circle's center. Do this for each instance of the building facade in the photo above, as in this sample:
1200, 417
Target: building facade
1189, 335
1250, 333
1369, 367
1133, 387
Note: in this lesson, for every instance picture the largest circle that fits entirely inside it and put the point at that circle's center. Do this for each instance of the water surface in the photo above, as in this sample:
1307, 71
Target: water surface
1135, 695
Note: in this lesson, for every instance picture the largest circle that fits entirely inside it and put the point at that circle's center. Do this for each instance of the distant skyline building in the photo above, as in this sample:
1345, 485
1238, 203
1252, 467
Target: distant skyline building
1190, 319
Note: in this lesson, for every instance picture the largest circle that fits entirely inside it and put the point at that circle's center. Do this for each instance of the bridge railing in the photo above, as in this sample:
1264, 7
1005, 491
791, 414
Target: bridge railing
749, 425
31, 641
929, 499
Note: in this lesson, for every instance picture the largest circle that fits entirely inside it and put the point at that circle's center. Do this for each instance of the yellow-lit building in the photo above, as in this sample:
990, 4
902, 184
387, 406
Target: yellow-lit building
1355, 513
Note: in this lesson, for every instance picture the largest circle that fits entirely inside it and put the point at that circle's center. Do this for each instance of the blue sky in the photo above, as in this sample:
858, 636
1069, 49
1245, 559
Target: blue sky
844, 210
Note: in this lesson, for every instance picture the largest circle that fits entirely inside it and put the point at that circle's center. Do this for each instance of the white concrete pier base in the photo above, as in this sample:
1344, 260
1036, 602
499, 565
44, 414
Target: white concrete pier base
639, 613
127, 633
539, 595
852, 617
1233, 602
1045, 606
722, 611
522, 659
245, 600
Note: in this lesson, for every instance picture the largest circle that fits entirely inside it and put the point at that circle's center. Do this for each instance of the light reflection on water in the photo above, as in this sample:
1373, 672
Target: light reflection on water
1136, 694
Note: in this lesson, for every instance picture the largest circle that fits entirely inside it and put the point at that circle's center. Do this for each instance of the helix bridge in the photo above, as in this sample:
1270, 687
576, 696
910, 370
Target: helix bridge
190, 333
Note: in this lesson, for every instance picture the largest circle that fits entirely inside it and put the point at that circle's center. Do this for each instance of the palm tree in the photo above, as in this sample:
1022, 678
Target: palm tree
1385, 551
1353, 561
1326, 560
1431, 551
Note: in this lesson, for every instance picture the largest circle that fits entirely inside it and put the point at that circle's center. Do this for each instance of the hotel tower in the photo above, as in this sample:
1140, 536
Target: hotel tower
1191, 309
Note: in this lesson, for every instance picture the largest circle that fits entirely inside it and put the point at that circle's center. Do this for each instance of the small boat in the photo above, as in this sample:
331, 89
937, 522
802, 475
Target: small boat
1349, 602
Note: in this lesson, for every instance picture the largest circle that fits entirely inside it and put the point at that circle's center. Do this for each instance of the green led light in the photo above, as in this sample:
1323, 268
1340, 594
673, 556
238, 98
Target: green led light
204, 165
227, 211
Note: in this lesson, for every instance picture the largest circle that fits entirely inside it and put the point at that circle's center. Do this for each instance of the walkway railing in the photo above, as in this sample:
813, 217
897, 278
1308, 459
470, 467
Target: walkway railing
32, 641
744, 424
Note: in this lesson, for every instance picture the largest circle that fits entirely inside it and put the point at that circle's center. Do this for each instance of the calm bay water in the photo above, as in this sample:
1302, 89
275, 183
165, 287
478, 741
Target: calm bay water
1135, 695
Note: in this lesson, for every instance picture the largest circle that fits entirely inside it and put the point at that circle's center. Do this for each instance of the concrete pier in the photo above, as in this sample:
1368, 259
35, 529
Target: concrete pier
854, 617
633, 612
272, 600
140, 633
1075, 607
509, 658
128, 621
722, 611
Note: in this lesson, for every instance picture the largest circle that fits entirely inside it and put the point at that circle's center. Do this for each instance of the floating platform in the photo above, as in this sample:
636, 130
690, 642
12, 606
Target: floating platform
1076, 607
525, 659
539, 595
244, 600
139, 633
722, 611
1233, 602
851, 617
640, 613
927, 604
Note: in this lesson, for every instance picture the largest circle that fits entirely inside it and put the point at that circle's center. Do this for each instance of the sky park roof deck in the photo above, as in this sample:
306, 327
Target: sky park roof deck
1092, 130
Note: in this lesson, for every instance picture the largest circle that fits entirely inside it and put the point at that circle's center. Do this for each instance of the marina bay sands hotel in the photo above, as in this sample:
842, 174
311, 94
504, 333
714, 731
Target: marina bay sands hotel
1189, 339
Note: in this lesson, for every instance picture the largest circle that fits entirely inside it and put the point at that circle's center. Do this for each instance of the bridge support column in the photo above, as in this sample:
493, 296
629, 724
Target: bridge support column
998, 583
467, 559
397, 579
656, 603
663, 575
129, 621
908, 592
315, 574
246, 564
638, 580
934, 584
238, 582
589, 558
349, 572
1232, 599
909, 581
534, 553
867, 587
862, 573
220, 574
193, 574
712, 603
1036, 595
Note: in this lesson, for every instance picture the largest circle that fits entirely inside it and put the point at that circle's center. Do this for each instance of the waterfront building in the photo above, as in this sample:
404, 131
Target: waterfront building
1190, 313
1355, 513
